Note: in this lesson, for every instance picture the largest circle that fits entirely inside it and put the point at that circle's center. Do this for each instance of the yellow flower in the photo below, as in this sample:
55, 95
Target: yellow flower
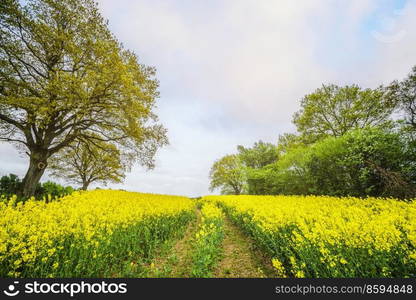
46, 233
329, 231
279, 268
300, 274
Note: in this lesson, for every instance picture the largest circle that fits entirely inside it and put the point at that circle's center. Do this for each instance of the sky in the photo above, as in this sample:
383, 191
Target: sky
233, 72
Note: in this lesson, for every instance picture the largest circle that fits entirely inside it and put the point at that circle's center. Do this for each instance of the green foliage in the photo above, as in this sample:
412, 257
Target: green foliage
228, 174
332, 110
65, 77
254, 159
256, 180
260, 155
11, 185
287, 176
54, 190
363, 162
405, 92
84, 164
347, 144
288, 141
376, 160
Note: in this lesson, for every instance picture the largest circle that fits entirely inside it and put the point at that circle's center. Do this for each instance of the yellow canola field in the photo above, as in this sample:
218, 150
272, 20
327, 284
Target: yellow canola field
211, 211
86, 233
320, 236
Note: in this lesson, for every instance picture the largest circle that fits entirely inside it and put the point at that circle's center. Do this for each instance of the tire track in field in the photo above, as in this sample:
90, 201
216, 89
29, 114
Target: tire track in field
175, 261
238, 259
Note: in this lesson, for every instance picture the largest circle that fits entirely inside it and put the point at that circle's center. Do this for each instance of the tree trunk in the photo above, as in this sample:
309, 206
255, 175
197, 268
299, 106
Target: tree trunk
37, 166
85, 185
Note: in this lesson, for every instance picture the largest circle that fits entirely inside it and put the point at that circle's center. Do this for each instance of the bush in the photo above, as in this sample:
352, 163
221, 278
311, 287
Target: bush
12, 184
54, 190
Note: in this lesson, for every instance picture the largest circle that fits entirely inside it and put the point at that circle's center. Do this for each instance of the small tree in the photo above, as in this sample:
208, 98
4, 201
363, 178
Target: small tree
228, 174
65, 77
332, 111
84, 164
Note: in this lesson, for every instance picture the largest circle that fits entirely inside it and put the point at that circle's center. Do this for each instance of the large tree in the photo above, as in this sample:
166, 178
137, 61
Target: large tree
332, 110
228, 174
65, 77
256, 161
288, 141
84, 164
260, 155
405, 92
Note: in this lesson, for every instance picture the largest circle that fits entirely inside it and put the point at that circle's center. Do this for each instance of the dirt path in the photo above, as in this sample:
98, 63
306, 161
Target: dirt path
239, 259
174, 260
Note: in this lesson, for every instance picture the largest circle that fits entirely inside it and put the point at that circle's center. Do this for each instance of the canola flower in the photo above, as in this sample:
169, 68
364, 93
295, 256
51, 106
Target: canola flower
86, 233
211, 213
208, 239
321, 236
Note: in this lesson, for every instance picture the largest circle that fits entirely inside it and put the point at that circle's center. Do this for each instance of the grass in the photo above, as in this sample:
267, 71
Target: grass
174, 260
240, 258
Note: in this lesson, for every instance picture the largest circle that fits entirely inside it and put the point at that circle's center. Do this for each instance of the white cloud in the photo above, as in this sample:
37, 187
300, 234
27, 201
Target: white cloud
252, 58
234, 71
11, 162
247, 56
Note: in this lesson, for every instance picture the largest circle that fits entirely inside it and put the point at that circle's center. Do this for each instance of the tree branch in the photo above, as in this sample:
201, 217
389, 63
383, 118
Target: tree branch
12, 122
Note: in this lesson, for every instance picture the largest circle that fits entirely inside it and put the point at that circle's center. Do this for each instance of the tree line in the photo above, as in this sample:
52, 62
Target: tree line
72, 98
349, 141
11, 184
